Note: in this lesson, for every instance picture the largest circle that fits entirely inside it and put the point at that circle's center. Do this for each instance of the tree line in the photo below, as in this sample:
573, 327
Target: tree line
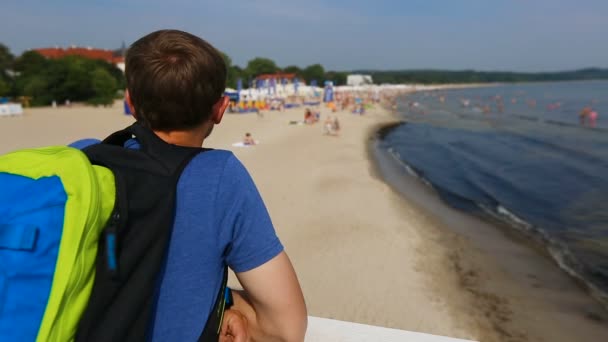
70, 78
77, 78
261, 65
472, 76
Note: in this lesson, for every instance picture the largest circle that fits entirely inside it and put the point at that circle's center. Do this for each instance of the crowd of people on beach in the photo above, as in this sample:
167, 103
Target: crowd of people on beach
354, 102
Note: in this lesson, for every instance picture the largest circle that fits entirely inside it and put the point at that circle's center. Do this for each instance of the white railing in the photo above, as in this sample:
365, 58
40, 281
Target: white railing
323, 329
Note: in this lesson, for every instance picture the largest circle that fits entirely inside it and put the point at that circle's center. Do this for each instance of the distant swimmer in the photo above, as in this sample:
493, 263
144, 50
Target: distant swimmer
501, 107
465, 102
583, 115
592, 119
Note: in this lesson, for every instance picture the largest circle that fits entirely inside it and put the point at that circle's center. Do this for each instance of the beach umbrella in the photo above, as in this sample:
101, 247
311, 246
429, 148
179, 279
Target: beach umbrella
273, 85
328, 94
127, 108
239, 88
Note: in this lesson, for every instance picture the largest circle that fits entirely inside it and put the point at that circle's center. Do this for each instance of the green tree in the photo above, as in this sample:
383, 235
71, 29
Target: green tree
227, 60
6, 58
6, 61
261, 65
232, 73
32, 77
5, 88
314, 72
30, 62
37, 88
104, 87
117, 74
338, 77
293, 69
71, 78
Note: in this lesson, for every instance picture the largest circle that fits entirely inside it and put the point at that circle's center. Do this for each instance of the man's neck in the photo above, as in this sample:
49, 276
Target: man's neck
189, 138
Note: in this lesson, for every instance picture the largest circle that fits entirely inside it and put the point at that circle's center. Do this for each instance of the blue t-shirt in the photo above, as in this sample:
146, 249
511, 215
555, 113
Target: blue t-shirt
220, 220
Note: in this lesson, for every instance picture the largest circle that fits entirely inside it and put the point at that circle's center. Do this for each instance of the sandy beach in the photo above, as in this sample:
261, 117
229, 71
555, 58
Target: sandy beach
363, 252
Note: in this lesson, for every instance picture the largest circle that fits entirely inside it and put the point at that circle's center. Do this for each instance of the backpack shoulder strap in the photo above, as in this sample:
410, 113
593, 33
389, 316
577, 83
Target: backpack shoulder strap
172, 157
133, 247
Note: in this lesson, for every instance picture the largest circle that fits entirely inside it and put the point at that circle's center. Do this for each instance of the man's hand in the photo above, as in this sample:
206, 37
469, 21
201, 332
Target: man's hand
234, 327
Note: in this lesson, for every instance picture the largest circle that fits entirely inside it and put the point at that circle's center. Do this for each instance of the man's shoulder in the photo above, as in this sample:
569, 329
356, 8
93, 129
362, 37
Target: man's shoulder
213, 158
213, 165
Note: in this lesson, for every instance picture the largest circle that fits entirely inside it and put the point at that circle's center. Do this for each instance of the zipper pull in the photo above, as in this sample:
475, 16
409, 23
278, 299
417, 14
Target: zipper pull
111, 243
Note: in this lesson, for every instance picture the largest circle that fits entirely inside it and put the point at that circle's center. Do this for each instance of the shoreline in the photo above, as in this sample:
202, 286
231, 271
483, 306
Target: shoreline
501, 287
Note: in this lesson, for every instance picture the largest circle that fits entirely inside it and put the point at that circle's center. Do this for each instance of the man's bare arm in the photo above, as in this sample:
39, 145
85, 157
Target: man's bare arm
272, 301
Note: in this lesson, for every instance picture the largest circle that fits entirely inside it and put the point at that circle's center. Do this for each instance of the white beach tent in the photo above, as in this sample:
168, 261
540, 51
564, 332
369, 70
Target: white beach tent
11, 109
323, 329
281, 91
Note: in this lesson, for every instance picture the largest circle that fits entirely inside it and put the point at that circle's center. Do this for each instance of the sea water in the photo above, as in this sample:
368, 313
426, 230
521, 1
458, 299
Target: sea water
520, 154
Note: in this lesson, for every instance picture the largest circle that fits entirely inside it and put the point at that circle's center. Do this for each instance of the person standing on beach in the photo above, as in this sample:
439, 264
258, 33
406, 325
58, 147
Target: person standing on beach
175, 88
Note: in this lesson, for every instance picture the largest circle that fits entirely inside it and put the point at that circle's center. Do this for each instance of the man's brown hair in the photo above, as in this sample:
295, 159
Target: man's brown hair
174, 78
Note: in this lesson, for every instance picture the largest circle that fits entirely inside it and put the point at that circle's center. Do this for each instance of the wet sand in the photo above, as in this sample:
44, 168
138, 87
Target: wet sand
513, 291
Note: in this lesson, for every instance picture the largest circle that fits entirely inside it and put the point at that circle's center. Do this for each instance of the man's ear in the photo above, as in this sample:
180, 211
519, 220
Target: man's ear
130, 104
217, 112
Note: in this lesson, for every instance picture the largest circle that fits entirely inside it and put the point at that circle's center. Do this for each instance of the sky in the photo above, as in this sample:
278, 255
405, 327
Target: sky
515, 35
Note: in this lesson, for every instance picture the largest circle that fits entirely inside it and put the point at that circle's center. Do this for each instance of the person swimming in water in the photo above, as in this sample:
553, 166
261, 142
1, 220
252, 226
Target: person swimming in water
588, 117
592, 119
583, 115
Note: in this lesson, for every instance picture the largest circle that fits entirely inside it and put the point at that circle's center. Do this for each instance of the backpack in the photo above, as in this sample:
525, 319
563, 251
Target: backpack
83, 237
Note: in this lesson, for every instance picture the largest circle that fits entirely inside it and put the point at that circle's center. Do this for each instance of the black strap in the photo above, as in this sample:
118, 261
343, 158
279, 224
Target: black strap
136, 239
223, 301
171, 156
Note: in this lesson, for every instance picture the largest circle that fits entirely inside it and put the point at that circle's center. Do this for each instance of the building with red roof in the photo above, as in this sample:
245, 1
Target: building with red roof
109, 56
276, 76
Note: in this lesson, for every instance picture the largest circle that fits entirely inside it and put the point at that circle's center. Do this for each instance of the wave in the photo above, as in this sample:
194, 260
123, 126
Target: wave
409, 169
558, 251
